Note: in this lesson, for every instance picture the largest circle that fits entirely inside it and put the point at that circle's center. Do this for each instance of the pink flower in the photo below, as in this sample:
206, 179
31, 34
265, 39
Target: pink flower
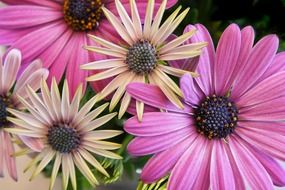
55, 32
231, 131
9, 91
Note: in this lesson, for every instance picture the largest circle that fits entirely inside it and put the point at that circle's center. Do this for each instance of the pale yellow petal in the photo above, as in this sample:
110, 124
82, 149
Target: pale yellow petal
167, 91
105, 51
176, 72
25, 132
173, 26
97, 122
126, 20
23, 124
107, 74
102, 145
65, 171
167, 81
35, 160
104, 153
136, 19
46, 159
157, 19
27, 118
65, 102
108, 44
103, 64
85, 170
89, 158
124, 105
185, 49
55, 169
182, 55
74, 106
117, 25
55, 98
139, 109
101, 134
148, 19
72, 173
176, 42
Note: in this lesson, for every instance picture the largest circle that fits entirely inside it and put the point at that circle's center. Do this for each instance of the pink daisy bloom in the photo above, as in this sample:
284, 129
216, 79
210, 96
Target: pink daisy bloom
55, 31
9, 90
230, 134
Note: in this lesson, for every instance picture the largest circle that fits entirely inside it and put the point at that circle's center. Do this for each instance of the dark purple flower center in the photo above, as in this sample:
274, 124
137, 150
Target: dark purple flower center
142, 57
216, 117
82, 15
63, 138
4, 104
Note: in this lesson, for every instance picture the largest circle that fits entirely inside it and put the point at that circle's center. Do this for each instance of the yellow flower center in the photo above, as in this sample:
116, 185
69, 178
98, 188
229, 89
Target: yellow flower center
82, 15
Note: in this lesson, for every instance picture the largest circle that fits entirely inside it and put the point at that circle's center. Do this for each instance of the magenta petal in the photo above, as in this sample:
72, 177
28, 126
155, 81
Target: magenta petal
16, 17
274, 86
206, 60
226, 59
153, 96
155, 144
277, 65
273, 168
186, 171
273, 110
263, 127
192, 94
253, 171
31, 45
247, 40
74, 75
160, 164
157, 123
270, 142
221, 174
44, 3
259, 60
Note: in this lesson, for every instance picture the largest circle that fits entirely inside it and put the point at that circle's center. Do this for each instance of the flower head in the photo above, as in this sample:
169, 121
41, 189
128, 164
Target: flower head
66, 132
55, 32
9, 90
231, 131
143, 55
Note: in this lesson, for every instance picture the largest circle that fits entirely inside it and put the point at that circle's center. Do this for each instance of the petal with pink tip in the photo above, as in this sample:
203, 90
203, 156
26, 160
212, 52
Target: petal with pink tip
10, 161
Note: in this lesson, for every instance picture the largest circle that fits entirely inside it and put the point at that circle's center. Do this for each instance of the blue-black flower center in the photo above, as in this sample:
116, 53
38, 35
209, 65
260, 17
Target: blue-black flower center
63, 138
4, 104
142, 57
82, 15
216, 117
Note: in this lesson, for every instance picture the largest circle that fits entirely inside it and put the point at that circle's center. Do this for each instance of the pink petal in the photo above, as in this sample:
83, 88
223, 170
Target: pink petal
11, 67
155, 144
274, 89
52, 53
260, 58
221, 174
187, 169
206, 60
277, 65
153, 96
2, 152
247, 40
8, 37
273, 110
16, 17
33, 143
10, 160
273, 168
74, 75
160, 164
227, 55
249, 166
44, 3
191, 93
157, 123
32, 46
